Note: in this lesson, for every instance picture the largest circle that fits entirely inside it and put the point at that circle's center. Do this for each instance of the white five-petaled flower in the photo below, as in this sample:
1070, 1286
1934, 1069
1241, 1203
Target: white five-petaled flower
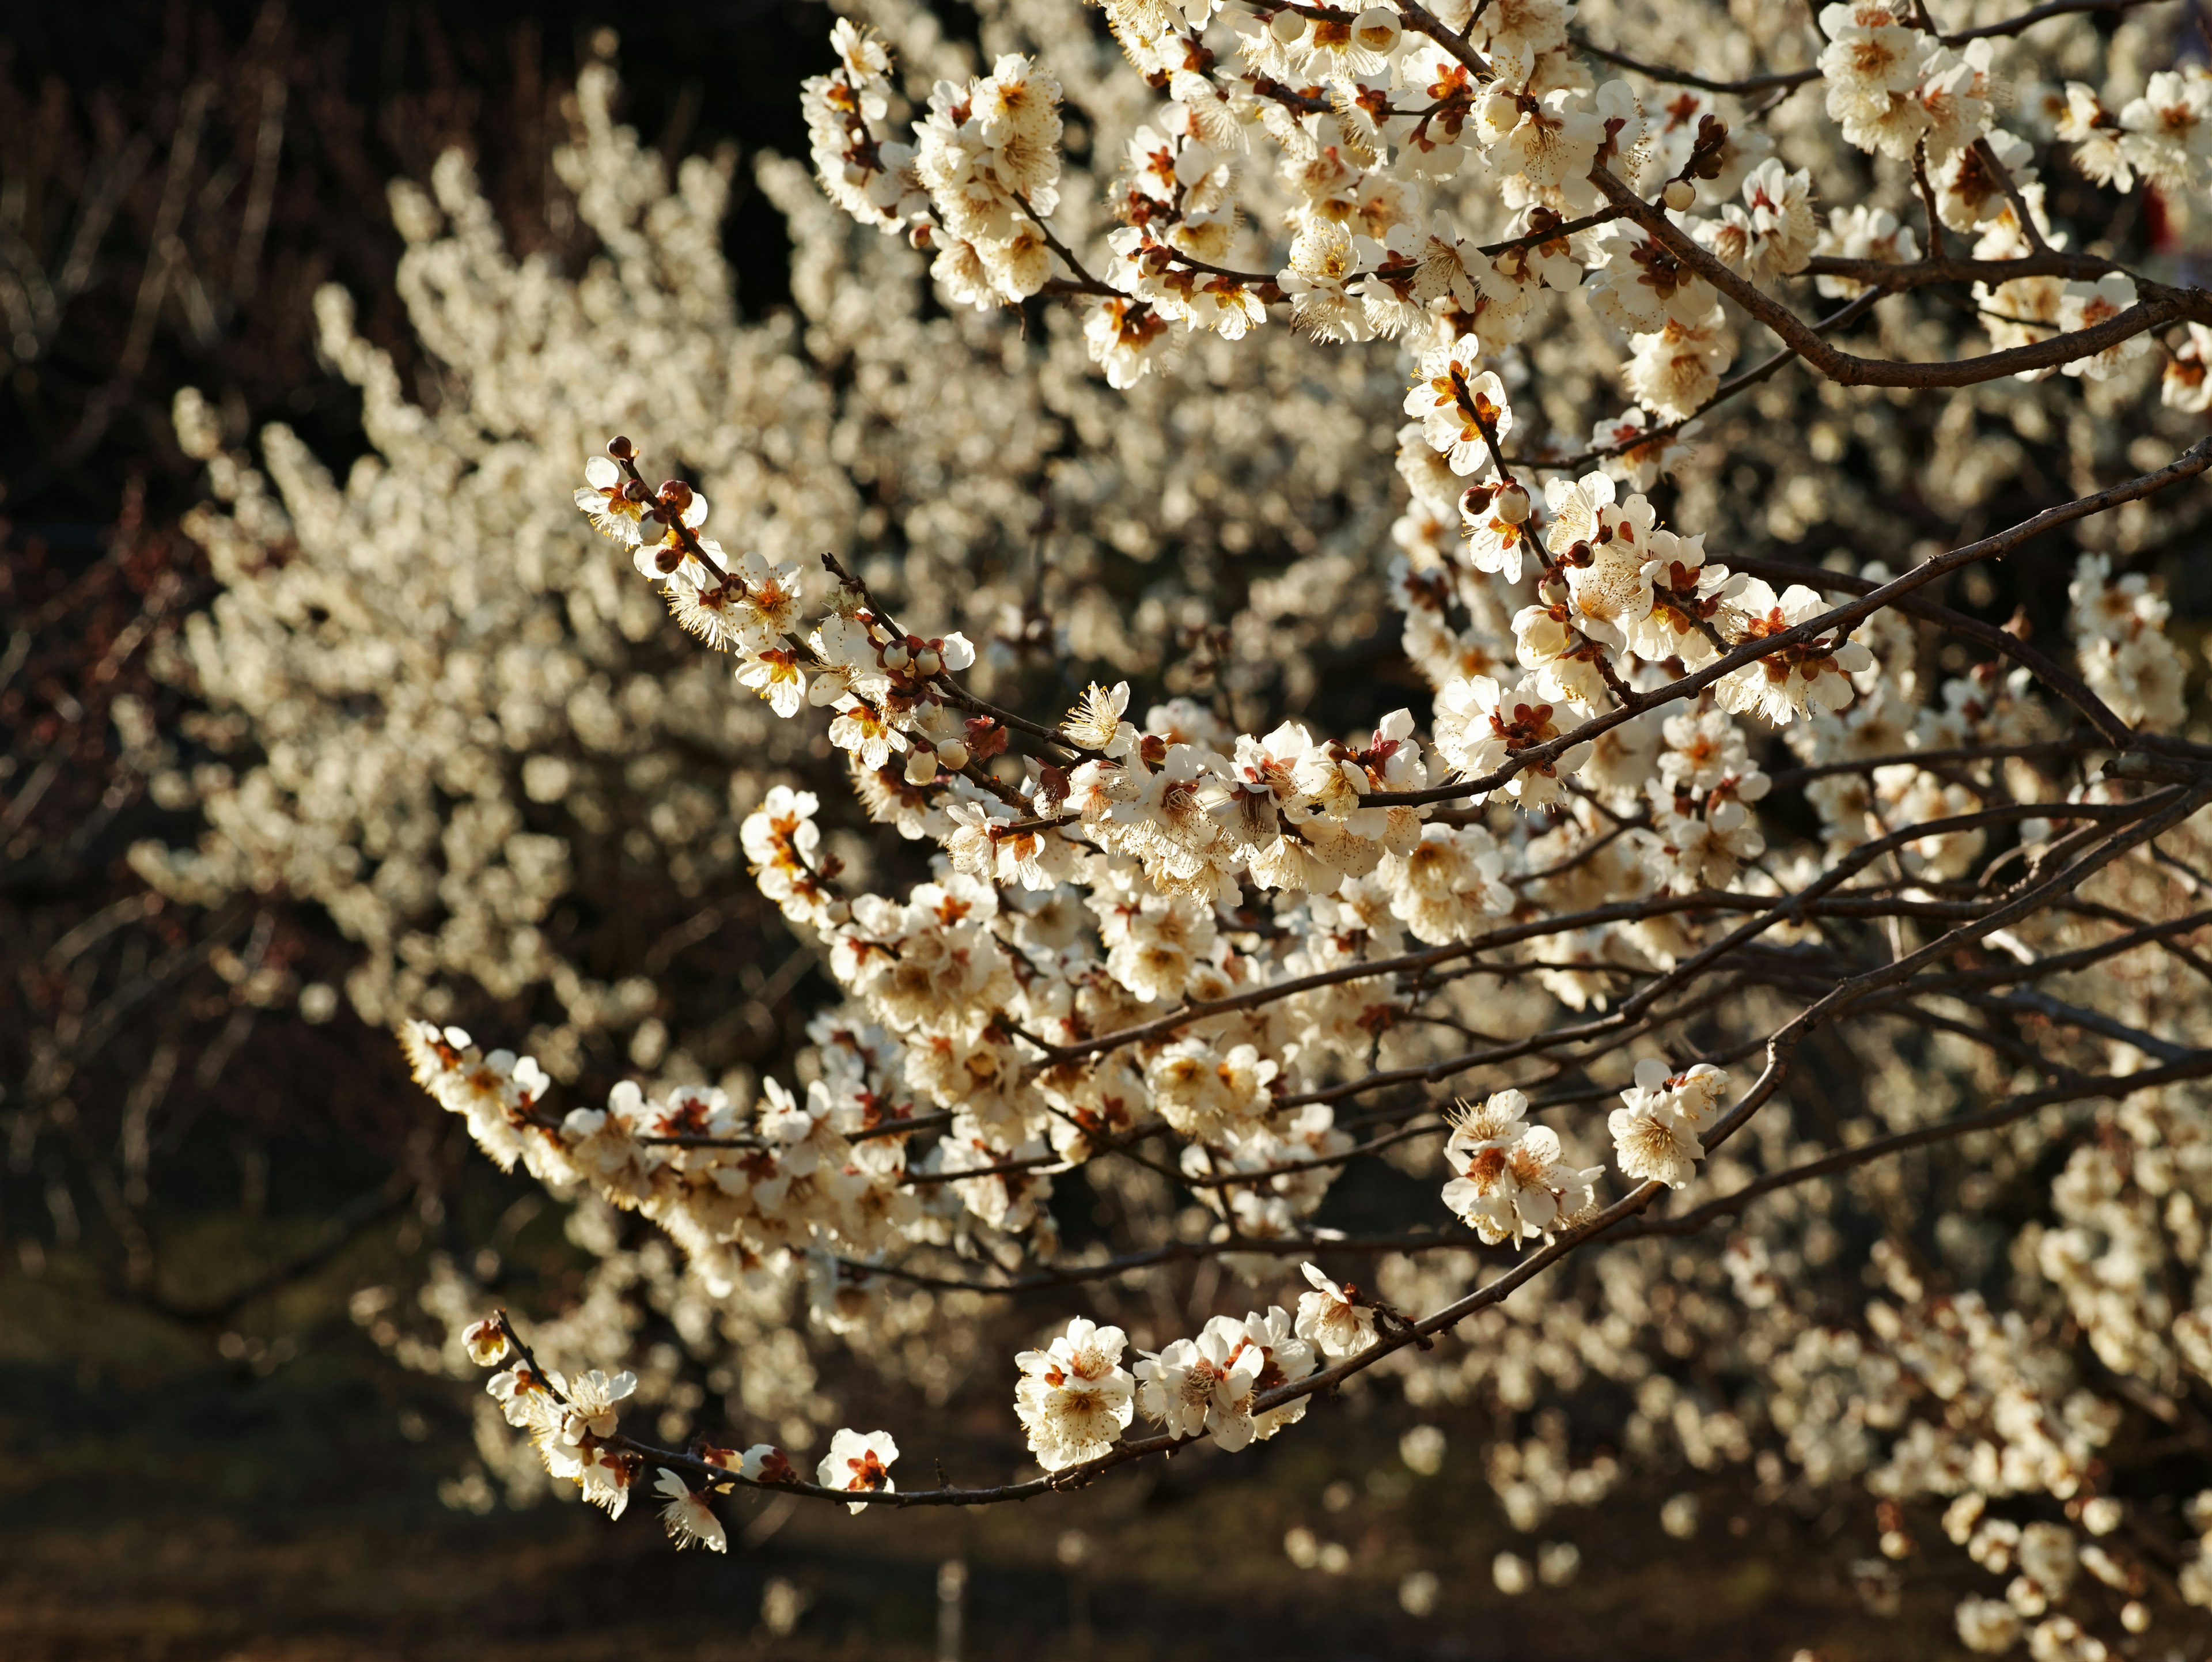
861, 731
2087, 304
1209, 1384
1330, 1319
1687, 594
487, 1341
1075, 1398
690, 1522
1096, 721
2167, 132
774, 671
1481, 725
1455, 399
1317, 283
1655, 1135
860, 1464
1871, 66
1799, 680
1550, 138
592, 1398
601, 496
1501, 536
1512, 1186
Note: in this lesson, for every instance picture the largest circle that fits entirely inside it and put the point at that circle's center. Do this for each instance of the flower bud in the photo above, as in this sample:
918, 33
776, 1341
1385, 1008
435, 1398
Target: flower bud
927, 661
636, 491
621, 449
666, 559
1513, 502
1287, 28
1680, 195
952, 756
676, 494
896, 656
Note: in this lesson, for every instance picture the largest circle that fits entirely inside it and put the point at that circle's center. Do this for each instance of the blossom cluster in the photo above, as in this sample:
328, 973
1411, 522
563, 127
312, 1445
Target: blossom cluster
1664, 824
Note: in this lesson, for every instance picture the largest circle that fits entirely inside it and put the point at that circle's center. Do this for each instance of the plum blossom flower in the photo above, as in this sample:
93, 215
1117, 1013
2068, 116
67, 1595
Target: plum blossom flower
1871, 66
1319, 282
1124, 338
1688, 593
1330, 1319
1643, 286
1501, 536
486, 1341
859, 1464
2186, 384
2168, 132
2085, 305
774, 671
1676, 370
1796, 680
602, 497
1642, 453
861, 730
690, 1522
1096, 721
1454, 399
1655, 1135
1194, 1386
1512, 1186
1075, 1398
1860, 231
1481, 725
2099, 150
1548, 138
591, 1399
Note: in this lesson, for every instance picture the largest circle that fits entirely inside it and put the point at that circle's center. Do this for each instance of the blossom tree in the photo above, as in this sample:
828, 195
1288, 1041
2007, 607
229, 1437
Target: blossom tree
1684, 833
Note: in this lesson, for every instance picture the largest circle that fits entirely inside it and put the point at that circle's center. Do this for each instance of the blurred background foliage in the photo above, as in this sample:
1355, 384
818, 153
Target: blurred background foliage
211, 1454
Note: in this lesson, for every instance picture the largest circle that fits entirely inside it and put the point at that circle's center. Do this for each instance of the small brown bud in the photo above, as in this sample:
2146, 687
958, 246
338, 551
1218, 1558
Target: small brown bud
665, 560
637, 492
621, 449
1712, 145
675, 494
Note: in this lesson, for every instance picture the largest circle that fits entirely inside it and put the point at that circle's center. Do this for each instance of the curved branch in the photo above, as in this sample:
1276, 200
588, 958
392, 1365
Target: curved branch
2197, 1064
1748, 84
1856, 307
2187, 465
2160, 307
